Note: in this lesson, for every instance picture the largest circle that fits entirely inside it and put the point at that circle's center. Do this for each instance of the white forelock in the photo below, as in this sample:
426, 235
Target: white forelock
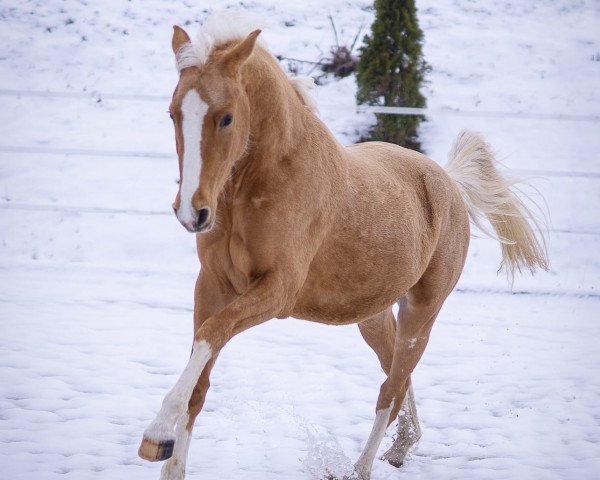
225, 26
217, 28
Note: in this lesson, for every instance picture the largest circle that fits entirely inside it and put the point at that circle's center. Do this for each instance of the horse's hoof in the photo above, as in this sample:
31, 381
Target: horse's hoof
330, 476
394, 462
394, 458
156, 451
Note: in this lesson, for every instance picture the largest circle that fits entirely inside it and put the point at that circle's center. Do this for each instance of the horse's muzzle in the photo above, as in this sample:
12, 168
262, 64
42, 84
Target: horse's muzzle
202, 222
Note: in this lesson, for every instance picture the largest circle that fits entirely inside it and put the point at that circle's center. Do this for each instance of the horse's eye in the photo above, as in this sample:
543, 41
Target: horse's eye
226, 120
172, 117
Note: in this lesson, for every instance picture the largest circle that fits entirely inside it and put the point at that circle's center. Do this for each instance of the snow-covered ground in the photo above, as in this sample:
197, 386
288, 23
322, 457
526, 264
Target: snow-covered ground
96, 274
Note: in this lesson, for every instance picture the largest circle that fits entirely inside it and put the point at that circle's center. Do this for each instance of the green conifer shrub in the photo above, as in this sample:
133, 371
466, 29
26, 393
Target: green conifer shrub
391, 70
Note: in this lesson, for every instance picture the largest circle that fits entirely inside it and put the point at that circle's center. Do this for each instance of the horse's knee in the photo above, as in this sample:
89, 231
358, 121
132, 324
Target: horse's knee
199, 394
197, 400
214, 333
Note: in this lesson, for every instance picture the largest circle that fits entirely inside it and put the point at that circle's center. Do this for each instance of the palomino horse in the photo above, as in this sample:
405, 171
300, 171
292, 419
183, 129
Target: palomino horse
291, 223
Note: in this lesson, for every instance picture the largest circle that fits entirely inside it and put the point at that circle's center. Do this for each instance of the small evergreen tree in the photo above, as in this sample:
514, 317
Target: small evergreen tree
391, 69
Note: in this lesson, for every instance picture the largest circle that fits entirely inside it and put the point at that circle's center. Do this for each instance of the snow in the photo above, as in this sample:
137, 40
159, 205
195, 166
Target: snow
96, 299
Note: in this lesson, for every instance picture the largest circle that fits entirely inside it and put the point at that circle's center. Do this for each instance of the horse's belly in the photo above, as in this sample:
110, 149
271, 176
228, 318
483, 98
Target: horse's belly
353, 286
331, 306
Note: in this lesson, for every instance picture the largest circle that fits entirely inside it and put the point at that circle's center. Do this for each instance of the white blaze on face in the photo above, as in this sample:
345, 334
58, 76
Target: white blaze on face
193, 110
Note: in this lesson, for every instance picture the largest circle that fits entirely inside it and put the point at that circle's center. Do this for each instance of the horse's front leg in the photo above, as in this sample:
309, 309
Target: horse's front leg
265, 298
209, 298
174, 467
159, 438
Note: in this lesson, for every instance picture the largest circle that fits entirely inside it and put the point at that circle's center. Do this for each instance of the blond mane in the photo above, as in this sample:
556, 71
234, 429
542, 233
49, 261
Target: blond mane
217, 28
304, 87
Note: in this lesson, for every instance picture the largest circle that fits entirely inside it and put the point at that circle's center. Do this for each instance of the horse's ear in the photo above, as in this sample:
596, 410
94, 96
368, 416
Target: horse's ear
179, 38
235, 57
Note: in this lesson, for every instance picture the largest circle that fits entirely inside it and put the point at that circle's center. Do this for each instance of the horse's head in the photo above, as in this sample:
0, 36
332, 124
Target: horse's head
211, 114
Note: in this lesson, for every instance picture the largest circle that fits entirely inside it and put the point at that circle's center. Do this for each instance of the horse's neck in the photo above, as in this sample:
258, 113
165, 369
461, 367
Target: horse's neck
282, 123
273, 109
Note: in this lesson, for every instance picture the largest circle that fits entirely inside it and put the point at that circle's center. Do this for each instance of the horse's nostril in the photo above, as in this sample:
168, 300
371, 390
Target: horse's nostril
203, 216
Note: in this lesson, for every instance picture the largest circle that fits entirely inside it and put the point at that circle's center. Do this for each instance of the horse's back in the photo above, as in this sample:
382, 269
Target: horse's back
395, 161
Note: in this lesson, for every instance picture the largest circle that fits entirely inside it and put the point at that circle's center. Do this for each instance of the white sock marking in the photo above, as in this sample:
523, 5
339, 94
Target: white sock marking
176, 401
365, 461
193, 111
174, 467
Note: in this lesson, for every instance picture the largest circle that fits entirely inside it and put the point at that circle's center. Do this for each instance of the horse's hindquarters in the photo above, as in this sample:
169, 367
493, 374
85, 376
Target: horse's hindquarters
400, 209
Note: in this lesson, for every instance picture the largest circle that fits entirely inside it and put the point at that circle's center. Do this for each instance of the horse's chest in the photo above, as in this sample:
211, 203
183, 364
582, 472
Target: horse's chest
240, 263
226, 257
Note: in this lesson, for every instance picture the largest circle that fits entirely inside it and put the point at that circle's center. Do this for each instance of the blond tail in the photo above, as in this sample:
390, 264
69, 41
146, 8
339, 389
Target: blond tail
488, 194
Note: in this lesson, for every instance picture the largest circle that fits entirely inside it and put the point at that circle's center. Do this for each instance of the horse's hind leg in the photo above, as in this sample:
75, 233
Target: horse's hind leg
418, 311
379, 332
408, 433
